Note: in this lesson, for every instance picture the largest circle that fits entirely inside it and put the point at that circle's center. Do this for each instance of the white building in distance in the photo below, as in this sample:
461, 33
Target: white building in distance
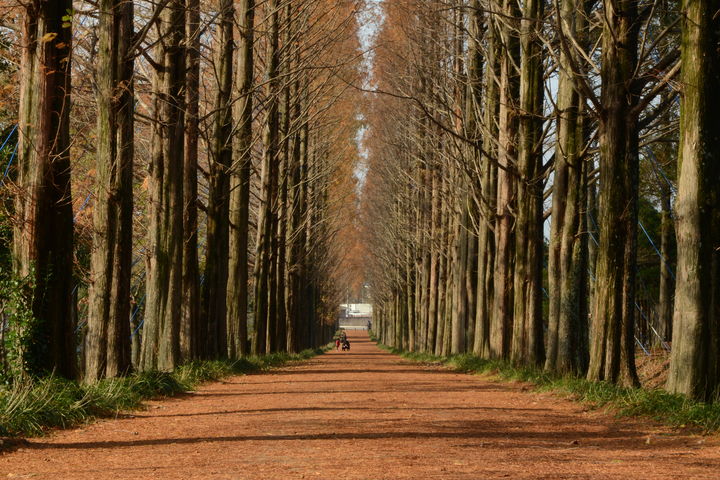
350, 310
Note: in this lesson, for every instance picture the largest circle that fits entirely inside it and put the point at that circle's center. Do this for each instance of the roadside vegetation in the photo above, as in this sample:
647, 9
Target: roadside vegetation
675, 410
32, 406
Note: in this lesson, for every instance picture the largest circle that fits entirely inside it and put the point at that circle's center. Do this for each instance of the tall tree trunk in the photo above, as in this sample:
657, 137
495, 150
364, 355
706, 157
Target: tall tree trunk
293, 235
107, 352
471, 277
411, 331
442, 266
43, 235
527, 342
190, 329
695, 361
612, 349
266, 218
161, 339
567, 326
488, 194
237, 293
283, 210
448, 305
593, 233
665, 302
309, 192
422, 253
435, 228
214, 292
447, 245
458, 312
502, 319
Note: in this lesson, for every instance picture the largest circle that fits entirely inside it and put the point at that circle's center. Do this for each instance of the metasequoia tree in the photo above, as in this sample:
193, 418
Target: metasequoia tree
191, 332
165, 99
567, 263
161, 331
214, 290
294, 215
239, 208
484, 286
667, 280
694, 364
464, 249
527, 339
487, 191
457, 198
632, 76
612, 347
264, 281
413, 139
293, 200
502, 313
43, 233
428, 291
477, 238
107, 352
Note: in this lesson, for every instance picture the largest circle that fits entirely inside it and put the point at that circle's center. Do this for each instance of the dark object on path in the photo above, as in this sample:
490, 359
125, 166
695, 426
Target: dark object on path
346, 345
11, 444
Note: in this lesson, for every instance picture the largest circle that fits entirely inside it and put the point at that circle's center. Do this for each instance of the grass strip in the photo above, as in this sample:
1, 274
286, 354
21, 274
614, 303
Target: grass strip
669, 409
31, 407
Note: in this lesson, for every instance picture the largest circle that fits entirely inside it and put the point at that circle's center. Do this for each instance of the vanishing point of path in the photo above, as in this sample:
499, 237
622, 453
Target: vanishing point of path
364, 415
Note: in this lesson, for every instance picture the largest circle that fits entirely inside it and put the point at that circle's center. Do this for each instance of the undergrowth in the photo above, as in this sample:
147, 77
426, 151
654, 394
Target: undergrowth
667, 408
30, 407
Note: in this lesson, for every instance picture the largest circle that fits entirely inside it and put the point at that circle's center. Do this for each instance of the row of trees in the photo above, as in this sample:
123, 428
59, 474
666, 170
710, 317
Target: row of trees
214, 141
499, 115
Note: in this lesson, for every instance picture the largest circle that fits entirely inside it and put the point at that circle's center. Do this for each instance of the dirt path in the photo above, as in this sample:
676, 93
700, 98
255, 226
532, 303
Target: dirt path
364, 415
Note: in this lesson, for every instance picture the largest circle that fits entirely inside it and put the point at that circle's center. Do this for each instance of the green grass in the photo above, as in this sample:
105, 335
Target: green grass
669, 409
30, 408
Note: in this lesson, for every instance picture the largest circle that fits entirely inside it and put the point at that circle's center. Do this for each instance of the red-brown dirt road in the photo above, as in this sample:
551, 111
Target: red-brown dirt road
365, 414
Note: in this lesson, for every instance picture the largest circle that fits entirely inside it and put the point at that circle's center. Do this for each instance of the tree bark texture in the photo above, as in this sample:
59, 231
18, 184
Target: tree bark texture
237, 303
527, 341
695, 361
161, 330
502, 312
269, 177
488, 191
43, 233
567, 267
190, 328
667, 280
612, 349
214, 290
107, 349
